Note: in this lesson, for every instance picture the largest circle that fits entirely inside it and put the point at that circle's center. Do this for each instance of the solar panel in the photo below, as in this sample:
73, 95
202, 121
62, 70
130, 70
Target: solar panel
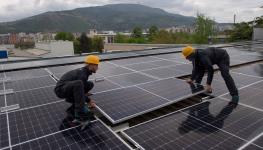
255, 70
142, 66
239, 79
25, 74
187, 68
96, 136
130, 79
244, 122
122, 104
219, 87
250, 96
32, 97
169, 56
248, 58
199, 127
3, 132
63, 69
122, 62
172, 89
1, 86
26, 84
2, 101
103, 86
165, 72
109, 71
36, 122
259, 141
165, 63
180, 131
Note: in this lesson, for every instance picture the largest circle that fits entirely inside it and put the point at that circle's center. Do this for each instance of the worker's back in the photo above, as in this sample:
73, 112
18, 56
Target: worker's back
215, 55
73, 75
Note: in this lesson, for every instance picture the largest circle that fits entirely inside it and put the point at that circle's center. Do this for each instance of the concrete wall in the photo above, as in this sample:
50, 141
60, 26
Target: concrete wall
57, 48
258, 34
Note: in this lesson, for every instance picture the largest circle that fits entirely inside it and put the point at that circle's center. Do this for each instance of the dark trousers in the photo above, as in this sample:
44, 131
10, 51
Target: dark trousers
73, 92
224, 69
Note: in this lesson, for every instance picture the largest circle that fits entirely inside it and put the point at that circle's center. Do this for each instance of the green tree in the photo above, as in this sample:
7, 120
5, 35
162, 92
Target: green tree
241, 31
153, 30
76, 45
65, 36
163, 37
97, 44
137, 32
259, 22
85, 43
205, 27
121, 38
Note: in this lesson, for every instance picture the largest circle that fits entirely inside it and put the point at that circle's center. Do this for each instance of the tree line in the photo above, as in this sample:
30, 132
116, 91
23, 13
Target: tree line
82, 44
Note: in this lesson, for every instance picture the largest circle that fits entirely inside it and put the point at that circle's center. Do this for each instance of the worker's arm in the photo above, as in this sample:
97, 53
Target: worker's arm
194, 71
210, 70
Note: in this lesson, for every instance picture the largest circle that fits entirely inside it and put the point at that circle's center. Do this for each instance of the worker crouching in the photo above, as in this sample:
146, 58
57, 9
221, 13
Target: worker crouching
74, 87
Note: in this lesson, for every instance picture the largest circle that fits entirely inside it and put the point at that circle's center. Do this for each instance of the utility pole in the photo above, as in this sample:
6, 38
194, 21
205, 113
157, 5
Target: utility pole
234, 18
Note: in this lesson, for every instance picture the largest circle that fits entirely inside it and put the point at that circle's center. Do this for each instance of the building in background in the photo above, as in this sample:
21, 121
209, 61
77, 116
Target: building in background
108, 36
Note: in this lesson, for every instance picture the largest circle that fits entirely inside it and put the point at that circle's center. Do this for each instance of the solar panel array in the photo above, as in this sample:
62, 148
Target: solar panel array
132, 87
209, 125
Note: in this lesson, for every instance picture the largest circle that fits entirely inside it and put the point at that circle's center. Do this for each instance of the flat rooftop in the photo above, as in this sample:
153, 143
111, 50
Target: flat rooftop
143, 102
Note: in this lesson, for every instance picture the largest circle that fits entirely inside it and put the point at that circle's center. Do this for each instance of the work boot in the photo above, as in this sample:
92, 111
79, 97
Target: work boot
235, 99
84, 114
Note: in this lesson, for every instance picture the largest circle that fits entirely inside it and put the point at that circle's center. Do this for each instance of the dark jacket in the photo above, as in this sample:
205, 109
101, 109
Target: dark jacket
205, 59
77, 74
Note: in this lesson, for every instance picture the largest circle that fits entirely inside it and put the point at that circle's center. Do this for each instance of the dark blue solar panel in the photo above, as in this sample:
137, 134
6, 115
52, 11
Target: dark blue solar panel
182, 131
95, 137
25, 74
241, 121
3, 131
255, 70
32, 123
172, 89
32, 97
122, 104
26, 84
251, 96
131, 79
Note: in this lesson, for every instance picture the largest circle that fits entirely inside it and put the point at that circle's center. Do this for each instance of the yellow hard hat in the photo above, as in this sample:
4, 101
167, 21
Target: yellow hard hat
187, 51
92, 59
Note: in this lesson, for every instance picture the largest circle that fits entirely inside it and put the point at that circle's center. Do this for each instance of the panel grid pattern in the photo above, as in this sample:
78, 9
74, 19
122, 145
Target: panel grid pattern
36, 122
27, 84
95, 137
3, 131
32, 97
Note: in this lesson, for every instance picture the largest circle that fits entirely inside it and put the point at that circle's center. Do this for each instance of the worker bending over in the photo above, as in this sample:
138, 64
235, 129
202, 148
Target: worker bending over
204, 59
74, 87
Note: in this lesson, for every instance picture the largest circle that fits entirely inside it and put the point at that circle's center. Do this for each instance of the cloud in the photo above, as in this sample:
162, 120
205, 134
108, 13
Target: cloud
221, 11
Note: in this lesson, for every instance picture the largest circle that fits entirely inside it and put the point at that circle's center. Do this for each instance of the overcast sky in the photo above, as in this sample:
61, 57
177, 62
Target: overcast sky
220, 10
